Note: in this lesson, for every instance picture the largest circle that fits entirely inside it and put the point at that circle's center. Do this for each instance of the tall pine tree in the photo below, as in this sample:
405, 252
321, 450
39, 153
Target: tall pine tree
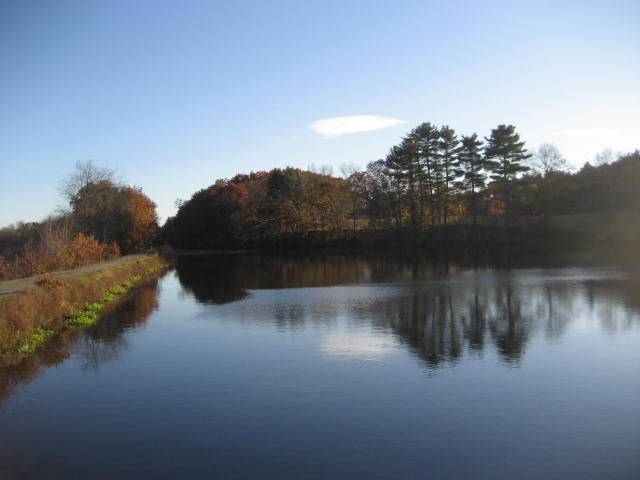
471, 167
504, 153
425, 138
449, 147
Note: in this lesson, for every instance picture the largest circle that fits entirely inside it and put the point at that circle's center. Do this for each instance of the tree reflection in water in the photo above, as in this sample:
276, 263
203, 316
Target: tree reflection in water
99, 343
439, 308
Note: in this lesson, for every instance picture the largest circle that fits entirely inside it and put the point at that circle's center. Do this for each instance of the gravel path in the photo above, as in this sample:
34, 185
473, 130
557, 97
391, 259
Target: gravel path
13, 286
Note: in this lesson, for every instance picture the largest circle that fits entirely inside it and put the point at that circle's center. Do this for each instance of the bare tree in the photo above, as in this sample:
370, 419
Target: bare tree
605, 157
548, 159
322, 169
326, 170
348, 169
86, 172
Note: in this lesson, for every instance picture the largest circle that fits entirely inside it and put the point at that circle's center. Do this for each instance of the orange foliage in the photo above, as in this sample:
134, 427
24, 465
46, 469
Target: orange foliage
50, 282
143, 219
81, 250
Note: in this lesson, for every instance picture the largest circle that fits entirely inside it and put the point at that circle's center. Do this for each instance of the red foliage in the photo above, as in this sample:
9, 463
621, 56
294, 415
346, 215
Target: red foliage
236, 192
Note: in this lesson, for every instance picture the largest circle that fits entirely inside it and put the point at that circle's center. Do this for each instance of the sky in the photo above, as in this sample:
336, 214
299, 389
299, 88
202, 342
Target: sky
178, 94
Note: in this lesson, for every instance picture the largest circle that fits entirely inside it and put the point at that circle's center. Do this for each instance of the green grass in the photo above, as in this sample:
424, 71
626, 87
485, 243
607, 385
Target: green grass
35, 340
109, 297
93, 307
119, 290
89, 315
81, 319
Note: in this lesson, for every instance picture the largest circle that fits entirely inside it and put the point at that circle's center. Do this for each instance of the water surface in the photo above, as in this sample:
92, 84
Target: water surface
341, 366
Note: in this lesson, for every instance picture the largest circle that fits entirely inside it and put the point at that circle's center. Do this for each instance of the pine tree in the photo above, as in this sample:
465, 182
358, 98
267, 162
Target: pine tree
394, 164
471, 167
504, 153
449, 147
403, 161
426, 138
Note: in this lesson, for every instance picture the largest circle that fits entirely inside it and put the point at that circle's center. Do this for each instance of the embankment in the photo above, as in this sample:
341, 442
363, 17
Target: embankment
37, 313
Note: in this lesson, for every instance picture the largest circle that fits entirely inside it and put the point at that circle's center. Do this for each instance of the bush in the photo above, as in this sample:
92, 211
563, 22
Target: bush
81, 250
4, 268
51, 282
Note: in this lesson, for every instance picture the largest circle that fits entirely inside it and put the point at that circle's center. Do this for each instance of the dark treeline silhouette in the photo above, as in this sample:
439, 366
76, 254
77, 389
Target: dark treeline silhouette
431, 181
102, 218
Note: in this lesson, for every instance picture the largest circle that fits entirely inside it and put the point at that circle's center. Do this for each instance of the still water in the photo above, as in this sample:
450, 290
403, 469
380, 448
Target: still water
340, 366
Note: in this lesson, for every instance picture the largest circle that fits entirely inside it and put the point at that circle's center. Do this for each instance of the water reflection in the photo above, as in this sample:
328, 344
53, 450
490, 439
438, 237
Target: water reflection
361, 346
441, 310
259, 366
100, 343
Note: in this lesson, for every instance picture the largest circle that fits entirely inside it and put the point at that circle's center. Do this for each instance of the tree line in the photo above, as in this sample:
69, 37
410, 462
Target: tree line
432, 179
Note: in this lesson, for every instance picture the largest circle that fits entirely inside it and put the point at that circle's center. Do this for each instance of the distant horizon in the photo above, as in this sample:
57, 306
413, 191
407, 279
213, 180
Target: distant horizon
177, 97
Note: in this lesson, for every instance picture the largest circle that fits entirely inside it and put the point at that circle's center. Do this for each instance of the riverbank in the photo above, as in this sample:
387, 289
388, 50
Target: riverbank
619, 229
15, 285
33, 315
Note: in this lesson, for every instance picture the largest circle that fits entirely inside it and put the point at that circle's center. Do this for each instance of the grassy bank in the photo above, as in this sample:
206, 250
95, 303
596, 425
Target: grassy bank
32, 316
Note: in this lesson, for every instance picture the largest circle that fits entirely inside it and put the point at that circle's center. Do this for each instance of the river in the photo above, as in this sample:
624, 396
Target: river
341, 365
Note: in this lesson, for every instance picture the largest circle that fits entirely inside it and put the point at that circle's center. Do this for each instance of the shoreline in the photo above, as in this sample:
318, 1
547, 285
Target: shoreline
37, 313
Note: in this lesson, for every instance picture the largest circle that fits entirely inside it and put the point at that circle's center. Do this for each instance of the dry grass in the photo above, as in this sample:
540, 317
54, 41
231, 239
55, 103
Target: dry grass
46, 305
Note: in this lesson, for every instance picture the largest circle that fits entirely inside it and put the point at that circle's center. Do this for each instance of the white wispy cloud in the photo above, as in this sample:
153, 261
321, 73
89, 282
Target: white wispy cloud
588, 132
337, 126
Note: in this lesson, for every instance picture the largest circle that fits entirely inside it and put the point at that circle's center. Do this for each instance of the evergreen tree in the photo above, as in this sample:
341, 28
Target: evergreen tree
402, 160
394, 164
471, 167
504, 153
449, 147
426, 138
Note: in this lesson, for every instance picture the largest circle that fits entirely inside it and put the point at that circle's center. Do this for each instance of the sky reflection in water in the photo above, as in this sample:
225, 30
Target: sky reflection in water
340, 366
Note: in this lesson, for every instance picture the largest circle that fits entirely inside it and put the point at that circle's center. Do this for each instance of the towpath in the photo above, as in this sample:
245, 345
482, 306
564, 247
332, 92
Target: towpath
13, 286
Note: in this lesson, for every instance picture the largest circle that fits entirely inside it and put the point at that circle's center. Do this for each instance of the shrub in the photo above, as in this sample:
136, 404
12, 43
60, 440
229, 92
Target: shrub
50, 282
112, 250
52, 255
4, 268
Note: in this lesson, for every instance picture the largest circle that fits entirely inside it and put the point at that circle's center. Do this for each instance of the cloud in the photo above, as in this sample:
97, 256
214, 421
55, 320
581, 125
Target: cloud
590, 132
338, 126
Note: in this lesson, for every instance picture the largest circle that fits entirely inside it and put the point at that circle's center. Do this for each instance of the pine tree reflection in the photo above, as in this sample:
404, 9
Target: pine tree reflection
444, 310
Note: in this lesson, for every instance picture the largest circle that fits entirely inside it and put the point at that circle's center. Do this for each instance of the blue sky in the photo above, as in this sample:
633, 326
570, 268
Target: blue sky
177, 94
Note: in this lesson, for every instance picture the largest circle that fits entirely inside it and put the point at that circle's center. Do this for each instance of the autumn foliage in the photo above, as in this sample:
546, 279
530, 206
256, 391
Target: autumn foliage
115, 214
104, 218
288, 207
248, 209
57, 253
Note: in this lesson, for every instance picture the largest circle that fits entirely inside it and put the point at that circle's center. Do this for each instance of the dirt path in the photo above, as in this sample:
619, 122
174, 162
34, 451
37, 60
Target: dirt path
13, 286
